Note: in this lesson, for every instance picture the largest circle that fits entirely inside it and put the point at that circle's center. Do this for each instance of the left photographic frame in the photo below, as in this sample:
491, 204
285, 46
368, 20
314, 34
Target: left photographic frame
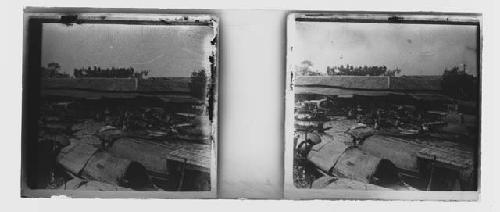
119, 105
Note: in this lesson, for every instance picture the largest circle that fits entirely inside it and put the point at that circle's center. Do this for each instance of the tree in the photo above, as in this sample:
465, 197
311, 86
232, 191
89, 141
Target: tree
112, 72
350, 70
198, 83
306, 69
53, 70
458, 84
392, 73
54, 66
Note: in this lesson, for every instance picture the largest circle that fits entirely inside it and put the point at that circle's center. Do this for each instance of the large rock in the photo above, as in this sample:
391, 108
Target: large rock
357, 165
325, 154
106, 168
74, 156
86, 161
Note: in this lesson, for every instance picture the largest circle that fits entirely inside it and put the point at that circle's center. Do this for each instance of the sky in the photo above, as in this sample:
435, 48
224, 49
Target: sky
417, 49
168, 51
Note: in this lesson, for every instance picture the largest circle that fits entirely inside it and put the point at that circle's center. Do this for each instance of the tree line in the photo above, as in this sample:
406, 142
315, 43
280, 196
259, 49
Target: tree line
112, 72
306, 68
349, 70
198, 83
53, 70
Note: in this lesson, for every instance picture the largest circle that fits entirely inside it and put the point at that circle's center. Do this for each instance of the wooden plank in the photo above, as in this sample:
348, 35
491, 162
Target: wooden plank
450, 156
404, 151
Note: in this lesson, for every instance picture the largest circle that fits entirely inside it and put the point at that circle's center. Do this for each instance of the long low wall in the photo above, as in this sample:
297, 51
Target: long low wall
415, 83
372, 82
97, 84
173, 84
356, 82
174, 89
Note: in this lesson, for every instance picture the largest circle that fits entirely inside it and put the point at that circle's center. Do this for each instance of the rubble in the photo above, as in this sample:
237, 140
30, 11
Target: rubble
115, 144
86, 161
370, 141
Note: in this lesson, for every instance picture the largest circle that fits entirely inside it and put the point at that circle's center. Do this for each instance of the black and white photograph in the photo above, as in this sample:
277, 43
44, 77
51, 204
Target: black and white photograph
378, 104
120, 102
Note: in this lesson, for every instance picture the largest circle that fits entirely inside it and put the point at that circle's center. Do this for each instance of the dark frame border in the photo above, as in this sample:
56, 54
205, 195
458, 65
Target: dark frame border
437, 18
34, 18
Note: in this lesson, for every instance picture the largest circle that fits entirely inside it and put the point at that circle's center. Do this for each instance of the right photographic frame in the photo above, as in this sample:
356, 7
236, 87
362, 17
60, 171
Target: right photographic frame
383, 106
